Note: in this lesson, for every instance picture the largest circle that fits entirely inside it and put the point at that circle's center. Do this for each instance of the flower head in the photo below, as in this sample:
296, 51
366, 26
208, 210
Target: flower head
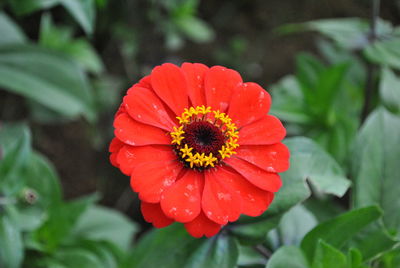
199, 146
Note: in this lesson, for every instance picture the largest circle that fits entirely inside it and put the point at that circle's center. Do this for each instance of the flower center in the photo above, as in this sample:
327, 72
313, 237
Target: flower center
204, 137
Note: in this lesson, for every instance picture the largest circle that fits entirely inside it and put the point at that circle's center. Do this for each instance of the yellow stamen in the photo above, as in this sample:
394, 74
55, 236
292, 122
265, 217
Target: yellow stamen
219, 119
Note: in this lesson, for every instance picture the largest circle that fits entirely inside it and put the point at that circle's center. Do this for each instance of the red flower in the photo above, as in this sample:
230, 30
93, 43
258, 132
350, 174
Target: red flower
199, 146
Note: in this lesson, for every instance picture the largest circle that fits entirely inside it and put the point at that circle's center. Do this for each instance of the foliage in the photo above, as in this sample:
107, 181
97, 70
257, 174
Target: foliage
314, 220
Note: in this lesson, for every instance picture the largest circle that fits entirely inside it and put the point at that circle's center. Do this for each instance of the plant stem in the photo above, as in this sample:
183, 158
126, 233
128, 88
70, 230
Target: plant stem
370, 67
263, 251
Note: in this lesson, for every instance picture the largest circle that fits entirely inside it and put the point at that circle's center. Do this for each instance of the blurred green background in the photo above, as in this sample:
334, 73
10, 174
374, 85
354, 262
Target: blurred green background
65, 65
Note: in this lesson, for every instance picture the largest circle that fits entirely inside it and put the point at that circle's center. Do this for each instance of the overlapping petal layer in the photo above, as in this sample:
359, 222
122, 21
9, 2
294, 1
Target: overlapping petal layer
203, 198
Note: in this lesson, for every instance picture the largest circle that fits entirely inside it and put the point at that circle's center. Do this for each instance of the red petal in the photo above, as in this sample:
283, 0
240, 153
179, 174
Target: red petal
145, 82
219, 202
150, 179
272, 158
182, 201
120, 110
202, 226
262, 179
131, 156
254, 200
219, 83
143, 105
133, 132
249, 103
169, 83
152, 213
194, 73
115, 146
267, 130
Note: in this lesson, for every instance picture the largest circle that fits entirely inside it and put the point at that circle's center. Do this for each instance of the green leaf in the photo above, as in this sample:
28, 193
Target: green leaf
326, 256
294, 225
46, 77
350, 33
289, 104
61, 221
10, 32
255, 233
220, 251
340, 229
11, 249
354, 258
26, 218
77, 257
61, 39
26, 7
42, 177
83, 12
310, 162
195, 29
385, 53
14, 161
169, 247
376, 166
288, 256
249, 257
100, 223
389, 90
373, 241
319, 85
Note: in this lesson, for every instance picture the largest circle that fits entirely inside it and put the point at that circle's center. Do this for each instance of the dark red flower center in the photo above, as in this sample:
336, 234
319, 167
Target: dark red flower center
204, 137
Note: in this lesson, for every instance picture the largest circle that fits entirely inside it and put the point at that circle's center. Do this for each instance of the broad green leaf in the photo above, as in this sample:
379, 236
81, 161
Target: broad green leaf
350, 33
77, 257
319, 85
101, 223
385, 53
389, 90
255, 233
220, 251
26, 7
373, 241
61, 39
10, 32
288, 101
324, 209
288, 256
83, 12
26, 218
249, 257
326, 256
195, 29
169, 247
42, 177
340, 229
376, 166
308, 162
14, 160
294, 225
11, 134
391, 259
61, 221
354, 259
47, 77
11, 249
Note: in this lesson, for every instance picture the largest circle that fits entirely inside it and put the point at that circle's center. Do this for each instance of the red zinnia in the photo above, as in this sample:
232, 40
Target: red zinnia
199, 147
